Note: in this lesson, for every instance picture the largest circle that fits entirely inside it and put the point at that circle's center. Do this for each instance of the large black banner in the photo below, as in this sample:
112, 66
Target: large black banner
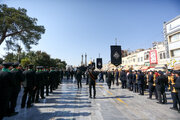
99, 63
116, 58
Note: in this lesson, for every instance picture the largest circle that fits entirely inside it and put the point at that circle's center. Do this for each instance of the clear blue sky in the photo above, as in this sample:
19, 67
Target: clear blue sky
75, 27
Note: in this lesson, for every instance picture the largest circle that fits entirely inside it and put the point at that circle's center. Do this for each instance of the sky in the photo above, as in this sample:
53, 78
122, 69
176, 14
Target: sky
76, 27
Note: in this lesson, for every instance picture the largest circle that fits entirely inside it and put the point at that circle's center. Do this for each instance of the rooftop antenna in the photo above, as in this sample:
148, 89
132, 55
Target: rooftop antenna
115, 41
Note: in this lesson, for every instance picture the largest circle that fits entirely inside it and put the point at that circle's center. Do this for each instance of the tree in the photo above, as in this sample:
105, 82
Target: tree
1, 60
25, 62
16, 25
11, 57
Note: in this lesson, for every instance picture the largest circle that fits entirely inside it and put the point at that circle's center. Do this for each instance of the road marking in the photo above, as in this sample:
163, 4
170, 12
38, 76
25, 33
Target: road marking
112, 94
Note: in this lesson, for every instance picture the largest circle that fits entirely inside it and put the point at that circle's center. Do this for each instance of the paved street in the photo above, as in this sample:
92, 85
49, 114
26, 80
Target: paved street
70, 103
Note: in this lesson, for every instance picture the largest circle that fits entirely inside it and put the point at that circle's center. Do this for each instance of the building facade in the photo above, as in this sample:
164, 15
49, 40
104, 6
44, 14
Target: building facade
172, 40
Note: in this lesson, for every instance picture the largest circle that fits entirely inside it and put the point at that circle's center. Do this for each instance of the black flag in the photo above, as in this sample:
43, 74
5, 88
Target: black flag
116, 55
99, 63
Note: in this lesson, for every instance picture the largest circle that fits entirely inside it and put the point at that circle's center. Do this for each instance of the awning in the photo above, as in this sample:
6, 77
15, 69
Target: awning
177, 67
137, 67
144, 68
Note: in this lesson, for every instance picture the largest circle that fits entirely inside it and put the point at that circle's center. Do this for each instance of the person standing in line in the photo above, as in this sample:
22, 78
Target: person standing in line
92, 82
79, 78
29, 85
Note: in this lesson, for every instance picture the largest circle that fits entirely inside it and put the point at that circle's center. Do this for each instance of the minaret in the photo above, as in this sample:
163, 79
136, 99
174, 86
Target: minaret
85, 59
81, 60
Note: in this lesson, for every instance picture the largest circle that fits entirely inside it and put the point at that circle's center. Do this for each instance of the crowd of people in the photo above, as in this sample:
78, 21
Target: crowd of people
156, 82
34, 81
43, 80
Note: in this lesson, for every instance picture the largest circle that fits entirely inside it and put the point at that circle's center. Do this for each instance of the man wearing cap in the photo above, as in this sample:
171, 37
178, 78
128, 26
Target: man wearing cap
6, 80
177, 86
29, 85
123, 79
174, 93
161, 83
92, 82
141, 82
17, 79
52, 75
46, 78
78, 78
130, 80
151, 87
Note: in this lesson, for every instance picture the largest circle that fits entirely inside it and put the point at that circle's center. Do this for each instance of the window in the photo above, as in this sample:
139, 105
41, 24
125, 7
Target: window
164, 55
138, 59
175, 53
134, 60
160, 55
141, 59
175, 37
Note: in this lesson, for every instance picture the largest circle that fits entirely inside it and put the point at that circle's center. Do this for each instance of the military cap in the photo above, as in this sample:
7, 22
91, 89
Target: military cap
160, 72
15, 64
7, 64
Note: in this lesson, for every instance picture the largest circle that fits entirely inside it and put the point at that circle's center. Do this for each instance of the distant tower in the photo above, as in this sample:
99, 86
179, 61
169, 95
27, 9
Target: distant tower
85, 59
81, 59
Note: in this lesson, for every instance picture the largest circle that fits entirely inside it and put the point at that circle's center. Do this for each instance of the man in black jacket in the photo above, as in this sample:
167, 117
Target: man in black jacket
123, 79
29, 86
6, 80
151, 83
177, 86
92, 82
161, 82
130, 80
17, 79
141, 82
110, 78
78, 78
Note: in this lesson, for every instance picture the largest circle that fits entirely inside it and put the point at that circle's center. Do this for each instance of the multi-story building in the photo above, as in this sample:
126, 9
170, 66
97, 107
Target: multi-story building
172, 40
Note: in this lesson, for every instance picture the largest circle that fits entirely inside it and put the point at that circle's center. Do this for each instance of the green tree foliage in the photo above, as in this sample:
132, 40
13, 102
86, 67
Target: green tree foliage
37, 58
16, 25
25, 62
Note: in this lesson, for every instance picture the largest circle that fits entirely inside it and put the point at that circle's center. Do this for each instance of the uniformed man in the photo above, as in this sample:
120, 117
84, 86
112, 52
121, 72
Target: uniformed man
177, 86
38, 81
135, 82
130, 80
52, 75
117, 77
161, 82
141, 82
92, 82
123, 79
17, 79
151, 84
29, 85
6, 80
110, 77
79, 78
174, 92
46, 79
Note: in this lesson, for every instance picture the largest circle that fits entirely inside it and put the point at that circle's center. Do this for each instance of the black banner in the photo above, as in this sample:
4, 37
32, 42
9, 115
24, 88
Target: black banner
99, 63
116, 58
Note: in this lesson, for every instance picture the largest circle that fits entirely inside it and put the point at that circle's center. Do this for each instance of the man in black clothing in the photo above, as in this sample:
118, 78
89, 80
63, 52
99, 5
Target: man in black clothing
78, 78
17, 79
92, 82
52, 79
46, 79
130, 80
141, 82
177, 86
110, 77
151, 83
161, 82
123, 79
29, 86
6, 80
